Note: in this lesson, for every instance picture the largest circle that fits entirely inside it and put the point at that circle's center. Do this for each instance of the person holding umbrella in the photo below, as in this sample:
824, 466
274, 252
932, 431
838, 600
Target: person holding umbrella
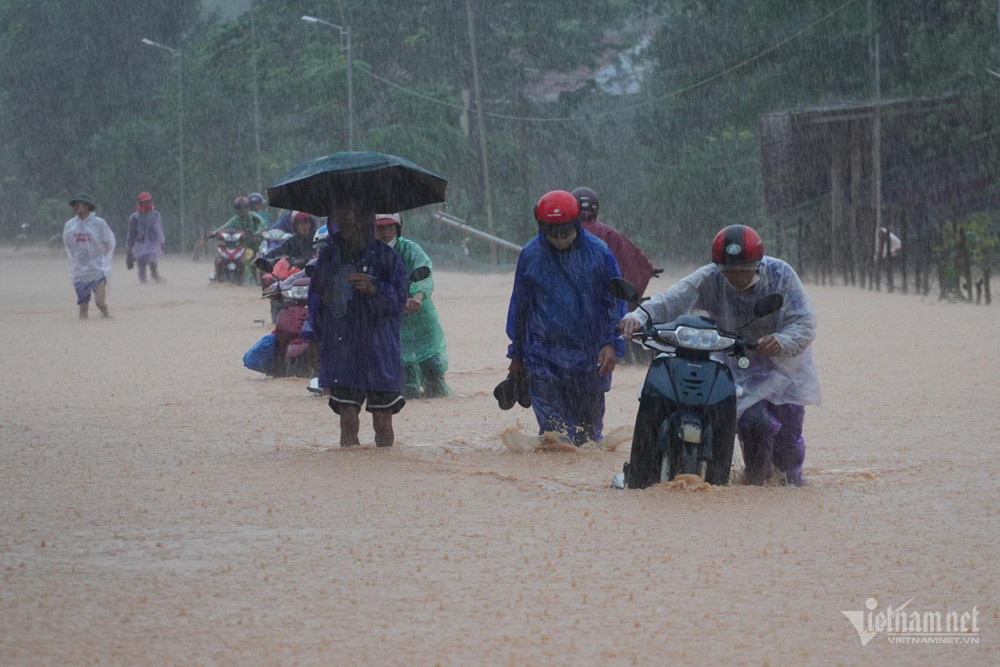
356, 297
359, 284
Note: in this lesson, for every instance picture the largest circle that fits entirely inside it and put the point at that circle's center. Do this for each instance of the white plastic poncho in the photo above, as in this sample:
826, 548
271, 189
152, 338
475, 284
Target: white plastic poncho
788, 378
89, 244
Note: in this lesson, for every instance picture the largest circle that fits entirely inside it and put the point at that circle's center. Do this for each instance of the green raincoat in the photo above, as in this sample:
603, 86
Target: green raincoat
251, 224
423, 348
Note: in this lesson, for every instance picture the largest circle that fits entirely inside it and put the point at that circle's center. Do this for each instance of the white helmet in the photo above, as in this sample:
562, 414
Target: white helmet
319, 239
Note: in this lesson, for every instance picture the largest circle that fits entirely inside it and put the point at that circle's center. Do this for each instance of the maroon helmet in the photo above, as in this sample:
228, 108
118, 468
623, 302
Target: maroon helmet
737, 244
587, 199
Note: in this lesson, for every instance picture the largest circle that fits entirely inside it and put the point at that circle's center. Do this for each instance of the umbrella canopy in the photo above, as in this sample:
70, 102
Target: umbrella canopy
385, 183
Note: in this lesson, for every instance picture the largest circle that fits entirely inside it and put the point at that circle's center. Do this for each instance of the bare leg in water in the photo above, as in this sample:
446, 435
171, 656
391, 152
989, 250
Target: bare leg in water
99, 294
349, 425
384, 435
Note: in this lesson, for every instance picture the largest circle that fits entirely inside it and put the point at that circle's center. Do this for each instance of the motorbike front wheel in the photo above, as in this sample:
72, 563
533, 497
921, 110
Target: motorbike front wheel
645, 465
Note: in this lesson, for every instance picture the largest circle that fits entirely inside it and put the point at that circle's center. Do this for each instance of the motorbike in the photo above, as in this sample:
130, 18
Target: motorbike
230, 257
271, 239
296, 356
686, 422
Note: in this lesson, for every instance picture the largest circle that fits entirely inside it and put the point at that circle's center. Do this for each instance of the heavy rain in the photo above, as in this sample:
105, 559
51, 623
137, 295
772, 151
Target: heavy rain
480, 332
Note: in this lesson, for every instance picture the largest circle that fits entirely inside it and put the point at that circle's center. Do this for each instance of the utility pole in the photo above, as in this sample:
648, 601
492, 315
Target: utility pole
481, 126
177, 54
345, 46
259, 183
180, 142
350, 90
876, 130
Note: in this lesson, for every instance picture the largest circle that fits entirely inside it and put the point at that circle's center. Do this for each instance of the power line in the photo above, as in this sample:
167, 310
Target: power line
612, 112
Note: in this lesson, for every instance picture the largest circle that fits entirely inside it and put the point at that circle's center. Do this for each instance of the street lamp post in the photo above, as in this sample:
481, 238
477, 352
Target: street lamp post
345, 45
180, 128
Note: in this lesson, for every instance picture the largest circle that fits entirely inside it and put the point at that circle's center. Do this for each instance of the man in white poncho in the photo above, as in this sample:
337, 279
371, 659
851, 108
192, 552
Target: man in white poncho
89, 243
781, 378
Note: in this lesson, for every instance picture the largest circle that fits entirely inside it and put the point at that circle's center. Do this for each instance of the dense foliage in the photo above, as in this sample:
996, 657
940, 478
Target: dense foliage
84, 105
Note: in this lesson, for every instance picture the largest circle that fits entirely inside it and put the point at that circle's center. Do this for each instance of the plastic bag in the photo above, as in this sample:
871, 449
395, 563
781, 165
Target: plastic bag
261, 356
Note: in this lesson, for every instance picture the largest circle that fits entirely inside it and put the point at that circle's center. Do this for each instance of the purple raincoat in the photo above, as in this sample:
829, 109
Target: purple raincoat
359, 334
145, 235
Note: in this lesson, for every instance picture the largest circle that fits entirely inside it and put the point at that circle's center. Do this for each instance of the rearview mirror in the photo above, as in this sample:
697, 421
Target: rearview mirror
264, 265
624, 290
420, 273
771, 303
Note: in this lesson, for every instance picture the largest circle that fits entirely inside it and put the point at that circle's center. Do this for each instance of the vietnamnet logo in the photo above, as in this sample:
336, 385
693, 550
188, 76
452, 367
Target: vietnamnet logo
904, 625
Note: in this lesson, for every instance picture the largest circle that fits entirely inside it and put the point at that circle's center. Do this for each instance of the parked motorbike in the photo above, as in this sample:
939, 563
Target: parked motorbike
296, 356
230, 256
271, 239
686, 422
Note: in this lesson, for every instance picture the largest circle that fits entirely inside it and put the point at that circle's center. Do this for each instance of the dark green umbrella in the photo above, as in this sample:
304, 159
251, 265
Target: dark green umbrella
385, 183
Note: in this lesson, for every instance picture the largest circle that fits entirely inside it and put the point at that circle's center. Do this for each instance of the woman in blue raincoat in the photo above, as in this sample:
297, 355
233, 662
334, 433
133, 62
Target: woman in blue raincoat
356, 299
561, 321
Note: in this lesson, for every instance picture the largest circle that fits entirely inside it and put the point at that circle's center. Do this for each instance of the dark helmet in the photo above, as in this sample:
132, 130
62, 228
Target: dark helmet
587, 199
557, 208
255, 198
737, 244
241, 202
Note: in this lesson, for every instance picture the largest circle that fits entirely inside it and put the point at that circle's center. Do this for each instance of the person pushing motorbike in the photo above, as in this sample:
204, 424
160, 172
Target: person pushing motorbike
781, 378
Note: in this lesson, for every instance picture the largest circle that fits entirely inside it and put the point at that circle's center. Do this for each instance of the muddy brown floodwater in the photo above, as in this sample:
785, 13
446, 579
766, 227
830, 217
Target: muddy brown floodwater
160, 504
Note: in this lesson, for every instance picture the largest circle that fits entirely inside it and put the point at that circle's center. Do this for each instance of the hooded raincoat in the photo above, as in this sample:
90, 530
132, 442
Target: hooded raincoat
251, 223
421, 334
359, 334
634, 265
145, 235
425, 355
786, 379
559, 318
89, 244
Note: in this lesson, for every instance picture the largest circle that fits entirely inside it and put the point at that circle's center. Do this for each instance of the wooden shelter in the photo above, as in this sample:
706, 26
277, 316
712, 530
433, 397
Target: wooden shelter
823, 177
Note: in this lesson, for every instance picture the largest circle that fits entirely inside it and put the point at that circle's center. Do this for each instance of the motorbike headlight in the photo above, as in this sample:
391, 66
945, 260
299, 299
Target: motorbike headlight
297, 293
701, 339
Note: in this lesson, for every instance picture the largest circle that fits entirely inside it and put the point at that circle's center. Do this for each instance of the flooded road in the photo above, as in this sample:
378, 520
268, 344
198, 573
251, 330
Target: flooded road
159, 503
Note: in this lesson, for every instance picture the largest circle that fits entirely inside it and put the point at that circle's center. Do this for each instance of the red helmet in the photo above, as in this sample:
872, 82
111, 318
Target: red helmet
241, 202
737, 244
557, 208
144, 196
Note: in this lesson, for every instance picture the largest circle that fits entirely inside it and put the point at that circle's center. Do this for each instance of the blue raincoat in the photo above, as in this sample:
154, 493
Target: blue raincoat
359, 334
559, 318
